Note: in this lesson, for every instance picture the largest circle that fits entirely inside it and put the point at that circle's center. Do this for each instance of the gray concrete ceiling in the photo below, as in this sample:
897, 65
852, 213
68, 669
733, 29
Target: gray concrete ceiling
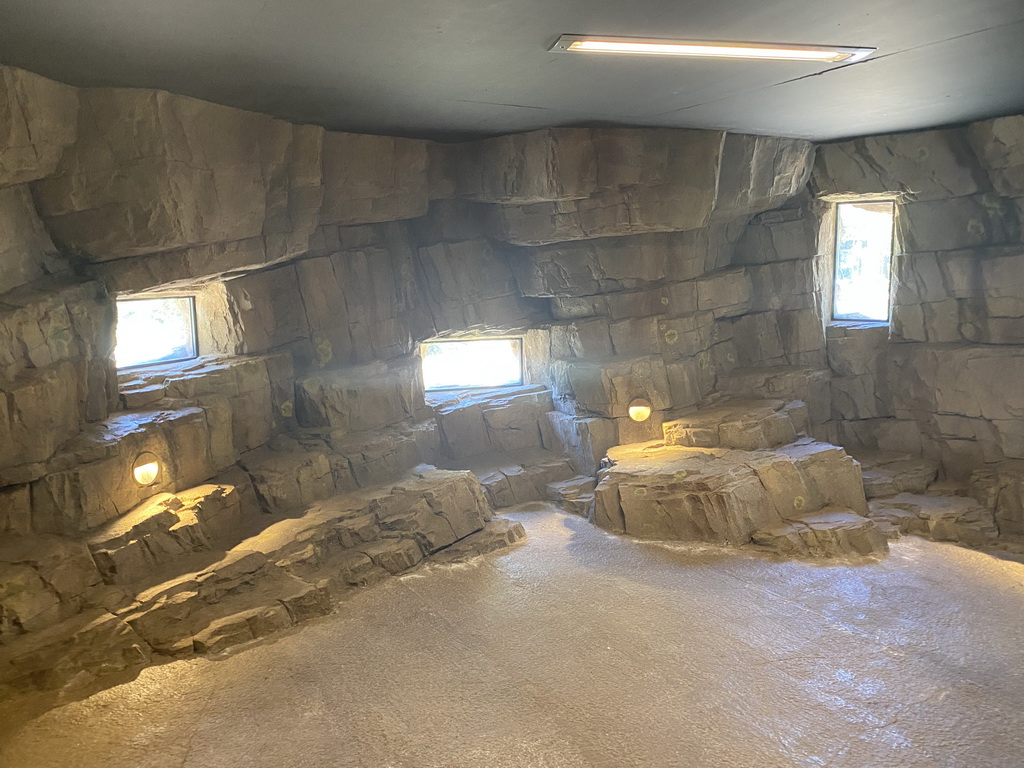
453, 69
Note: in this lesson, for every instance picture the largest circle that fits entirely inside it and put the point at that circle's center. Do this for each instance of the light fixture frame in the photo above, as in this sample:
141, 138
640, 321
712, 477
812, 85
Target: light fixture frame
640, 402
144, 459
842, 54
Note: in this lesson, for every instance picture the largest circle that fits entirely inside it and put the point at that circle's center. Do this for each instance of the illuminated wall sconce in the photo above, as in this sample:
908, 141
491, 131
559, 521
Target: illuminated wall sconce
146, 469
639, 409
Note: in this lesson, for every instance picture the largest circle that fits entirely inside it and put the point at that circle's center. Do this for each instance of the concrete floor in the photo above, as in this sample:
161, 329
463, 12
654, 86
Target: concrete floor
583, 649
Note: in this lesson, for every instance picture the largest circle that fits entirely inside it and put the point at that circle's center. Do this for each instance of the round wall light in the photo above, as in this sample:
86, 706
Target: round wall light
146, 469
639, 409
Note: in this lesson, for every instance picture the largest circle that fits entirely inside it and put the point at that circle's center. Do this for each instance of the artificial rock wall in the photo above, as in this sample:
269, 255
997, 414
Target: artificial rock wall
943, 381
673, 264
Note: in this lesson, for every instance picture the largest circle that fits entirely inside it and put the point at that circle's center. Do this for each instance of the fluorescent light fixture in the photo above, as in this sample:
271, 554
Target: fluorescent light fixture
709, 48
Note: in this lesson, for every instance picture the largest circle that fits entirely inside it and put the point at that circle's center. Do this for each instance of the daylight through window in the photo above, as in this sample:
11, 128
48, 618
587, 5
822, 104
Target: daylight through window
475, 363
864, 235
151, 331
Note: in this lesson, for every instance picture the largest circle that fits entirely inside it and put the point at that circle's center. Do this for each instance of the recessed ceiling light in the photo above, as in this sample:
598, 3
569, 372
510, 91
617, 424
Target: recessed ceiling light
708, 48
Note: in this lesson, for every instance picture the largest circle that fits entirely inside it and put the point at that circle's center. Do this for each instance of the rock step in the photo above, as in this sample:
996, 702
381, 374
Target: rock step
475, 423
163, 528
828, 533
575, 495
886, 474
518, 477
959, 519
743, 424
499, 533
77, 650
721, 496
293, 569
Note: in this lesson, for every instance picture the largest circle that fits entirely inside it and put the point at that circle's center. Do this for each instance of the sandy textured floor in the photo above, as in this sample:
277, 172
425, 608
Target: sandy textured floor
583, 649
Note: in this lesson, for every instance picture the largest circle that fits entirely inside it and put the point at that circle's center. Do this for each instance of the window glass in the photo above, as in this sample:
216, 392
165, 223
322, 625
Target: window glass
151, 331
475, 363
863, 260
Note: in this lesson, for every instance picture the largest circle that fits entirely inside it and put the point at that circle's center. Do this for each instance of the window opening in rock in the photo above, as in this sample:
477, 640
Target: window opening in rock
151, 331
472, 363
863, 260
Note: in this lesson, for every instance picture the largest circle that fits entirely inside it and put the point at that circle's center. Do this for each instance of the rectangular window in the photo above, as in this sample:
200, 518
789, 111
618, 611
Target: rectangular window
864, 238
474, 363
151, 331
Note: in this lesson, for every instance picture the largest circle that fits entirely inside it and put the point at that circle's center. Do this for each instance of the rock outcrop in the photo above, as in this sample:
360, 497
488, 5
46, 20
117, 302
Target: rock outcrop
177, 575
738, 473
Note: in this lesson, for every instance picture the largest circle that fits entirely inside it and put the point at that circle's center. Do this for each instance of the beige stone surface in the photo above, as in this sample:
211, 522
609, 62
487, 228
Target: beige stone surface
673, 194
959, 222
828, 533
191, 173
373, 178
583, 439
55, 340
539, 166
91, 481
360, 398
1001, 489
38, 119
887, 473
939, 517
85, 648
926, 165
26, 252
747, 425
999, 144
606, 387
720, 495
470, 284
361, 303
177, 592
781, 235
518, 477
760, 172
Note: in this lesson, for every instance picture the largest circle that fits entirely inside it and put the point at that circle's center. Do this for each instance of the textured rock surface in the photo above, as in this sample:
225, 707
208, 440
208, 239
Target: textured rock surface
999, 145
938, 517
373, 178
830, 532
55, 375
39, 119
361, 397
574, 495
658, 491
928, 165
886, 474
177, 575
956, 297
192, 173
474, 423
748, 425
519, 477
26, 252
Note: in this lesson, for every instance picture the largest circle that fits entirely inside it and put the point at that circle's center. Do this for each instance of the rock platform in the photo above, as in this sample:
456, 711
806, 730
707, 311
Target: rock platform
740, 472
167, 580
